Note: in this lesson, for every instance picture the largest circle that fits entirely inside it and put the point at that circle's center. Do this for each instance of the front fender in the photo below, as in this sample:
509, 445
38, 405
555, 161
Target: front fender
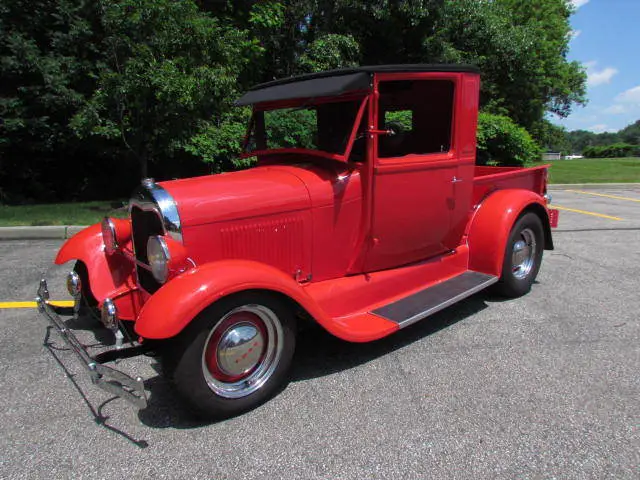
491, 224
175, 304
107, 273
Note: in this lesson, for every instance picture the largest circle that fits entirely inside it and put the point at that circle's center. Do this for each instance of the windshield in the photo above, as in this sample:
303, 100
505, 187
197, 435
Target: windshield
325, 127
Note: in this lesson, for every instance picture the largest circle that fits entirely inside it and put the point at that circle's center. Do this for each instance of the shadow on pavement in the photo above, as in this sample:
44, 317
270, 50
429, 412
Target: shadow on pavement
318, 354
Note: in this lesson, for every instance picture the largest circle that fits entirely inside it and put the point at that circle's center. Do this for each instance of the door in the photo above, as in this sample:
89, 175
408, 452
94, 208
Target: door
415, 172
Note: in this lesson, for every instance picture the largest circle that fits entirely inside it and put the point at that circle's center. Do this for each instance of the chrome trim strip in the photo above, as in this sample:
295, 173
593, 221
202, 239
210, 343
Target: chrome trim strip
108, 379
151, 197
448, 302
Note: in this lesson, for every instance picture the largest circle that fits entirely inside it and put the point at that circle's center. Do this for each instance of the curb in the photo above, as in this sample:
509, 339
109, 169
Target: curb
51, 232
592, 186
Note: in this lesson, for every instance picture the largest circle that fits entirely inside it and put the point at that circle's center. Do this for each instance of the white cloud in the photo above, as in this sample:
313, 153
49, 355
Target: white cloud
629, 97
578, 3
600, 128
615, 109
597, 77
574, 34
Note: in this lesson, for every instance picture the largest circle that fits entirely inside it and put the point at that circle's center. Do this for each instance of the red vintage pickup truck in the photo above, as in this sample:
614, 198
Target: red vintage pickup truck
364, 213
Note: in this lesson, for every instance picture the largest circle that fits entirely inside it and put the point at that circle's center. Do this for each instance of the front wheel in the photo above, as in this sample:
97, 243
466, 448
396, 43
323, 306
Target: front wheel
522, 257
234, 356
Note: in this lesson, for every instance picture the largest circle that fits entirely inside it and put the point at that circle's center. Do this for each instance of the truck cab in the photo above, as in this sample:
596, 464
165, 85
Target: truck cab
364, 212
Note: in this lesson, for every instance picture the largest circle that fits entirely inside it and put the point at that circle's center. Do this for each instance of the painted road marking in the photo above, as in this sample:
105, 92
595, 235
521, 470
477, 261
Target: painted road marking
584, 212
616, 197
56, 303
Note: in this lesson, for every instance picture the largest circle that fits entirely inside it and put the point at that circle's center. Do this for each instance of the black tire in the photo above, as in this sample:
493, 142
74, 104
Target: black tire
192, 361
518, 274
89, 304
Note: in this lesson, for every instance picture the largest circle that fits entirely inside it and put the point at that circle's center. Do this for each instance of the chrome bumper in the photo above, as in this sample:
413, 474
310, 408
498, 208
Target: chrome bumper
106, 378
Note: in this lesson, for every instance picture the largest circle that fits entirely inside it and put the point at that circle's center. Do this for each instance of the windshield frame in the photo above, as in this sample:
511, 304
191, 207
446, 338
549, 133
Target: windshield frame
343, 157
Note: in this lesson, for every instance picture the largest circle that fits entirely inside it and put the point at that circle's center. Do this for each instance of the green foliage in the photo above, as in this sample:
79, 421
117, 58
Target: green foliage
291, 128
520, 47
580, 140
169, 67
617, 150
553, 138
502, 142
47, 64
330, 51
95, 94
403, 118
631, 133
219, 144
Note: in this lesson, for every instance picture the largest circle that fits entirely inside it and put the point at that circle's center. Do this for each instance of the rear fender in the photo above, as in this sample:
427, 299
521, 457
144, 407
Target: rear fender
169, 310
109, 275
491, 224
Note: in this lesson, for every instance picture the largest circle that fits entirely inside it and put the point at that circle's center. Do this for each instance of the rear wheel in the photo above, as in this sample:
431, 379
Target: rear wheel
234, 356
522, 258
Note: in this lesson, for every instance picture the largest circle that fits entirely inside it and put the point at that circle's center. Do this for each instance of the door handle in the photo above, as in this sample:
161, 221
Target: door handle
456, 179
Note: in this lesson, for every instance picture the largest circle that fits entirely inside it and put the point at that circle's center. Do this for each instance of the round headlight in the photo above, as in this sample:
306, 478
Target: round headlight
158, 256
109, 236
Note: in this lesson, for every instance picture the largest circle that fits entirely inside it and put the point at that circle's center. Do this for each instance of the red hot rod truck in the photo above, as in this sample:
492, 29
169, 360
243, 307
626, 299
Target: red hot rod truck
365, 213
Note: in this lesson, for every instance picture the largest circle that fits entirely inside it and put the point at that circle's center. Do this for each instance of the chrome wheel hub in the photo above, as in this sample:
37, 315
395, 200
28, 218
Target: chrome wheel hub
242, 351
523, 255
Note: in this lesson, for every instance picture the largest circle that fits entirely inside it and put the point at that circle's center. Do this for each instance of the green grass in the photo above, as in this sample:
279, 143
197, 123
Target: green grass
82, 213
595, 170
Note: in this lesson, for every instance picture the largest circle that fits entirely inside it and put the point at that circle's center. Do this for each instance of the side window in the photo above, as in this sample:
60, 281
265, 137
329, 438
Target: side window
420, 113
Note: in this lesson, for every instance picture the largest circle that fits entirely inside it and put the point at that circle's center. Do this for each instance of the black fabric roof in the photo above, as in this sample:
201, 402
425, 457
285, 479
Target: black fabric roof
334, 82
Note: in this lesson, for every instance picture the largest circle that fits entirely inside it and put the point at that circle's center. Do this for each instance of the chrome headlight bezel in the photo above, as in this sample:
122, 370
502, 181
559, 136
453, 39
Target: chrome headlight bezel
109, 237
158, 257
74, 284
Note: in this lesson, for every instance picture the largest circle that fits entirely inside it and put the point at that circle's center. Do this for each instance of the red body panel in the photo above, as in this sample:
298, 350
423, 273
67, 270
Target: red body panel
491, 224
235, 196
110, 276
172, 307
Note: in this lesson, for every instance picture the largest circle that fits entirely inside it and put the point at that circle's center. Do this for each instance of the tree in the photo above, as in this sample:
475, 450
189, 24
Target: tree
170, 72
520, 47
553, 138
631, 133
96, 94
48, 61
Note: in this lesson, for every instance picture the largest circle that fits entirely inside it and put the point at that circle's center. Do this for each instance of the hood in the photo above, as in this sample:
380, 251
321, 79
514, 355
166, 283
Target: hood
259, 191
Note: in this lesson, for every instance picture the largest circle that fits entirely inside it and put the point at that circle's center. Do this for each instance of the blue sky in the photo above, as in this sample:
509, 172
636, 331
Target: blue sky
606, 41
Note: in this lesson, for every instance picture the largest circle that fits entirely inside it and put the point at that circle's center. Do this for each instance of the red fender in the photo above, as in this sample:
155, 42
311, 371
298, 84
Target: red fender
176, 303
491, 224
109, 275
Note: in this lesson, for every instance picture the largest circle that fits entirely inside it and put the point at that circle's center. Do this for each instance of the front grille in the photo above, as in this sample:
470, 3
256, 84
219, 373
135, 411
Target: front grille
144, 224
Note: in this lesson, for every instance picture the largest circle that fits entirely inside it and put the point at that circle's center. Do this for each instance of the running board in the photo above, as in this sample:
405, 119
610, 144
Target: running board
409, 310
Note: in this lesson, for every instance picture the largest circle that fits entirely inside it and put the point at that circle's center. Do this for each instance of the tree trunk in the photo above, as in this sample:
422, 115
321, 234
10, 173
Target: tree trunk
144, 166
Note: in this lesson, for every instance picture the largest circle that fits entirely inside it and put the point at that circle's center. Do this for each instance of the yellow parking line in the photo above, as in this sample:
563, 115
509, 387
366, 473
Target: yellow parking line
601, 215
57, 303
616, 197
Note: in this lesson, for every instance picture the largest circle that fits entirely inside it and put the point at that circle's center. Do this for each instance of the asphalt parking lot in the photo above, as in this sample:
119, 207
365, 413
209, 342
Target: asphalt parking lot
546, 386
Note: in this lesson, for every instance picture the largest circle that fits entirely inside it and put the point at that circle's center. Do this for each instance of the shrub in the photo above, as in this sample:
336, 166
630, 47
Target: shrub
616, 150
502, 142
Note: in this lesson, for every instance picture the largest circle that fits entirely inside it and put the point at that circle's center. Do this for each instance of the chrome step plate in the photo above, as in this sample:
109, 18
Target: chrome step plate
426, 302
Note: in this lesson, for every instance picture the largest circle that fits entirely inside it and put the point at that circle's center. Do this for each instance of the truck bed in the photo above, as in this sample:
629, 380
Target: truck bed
488, 179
